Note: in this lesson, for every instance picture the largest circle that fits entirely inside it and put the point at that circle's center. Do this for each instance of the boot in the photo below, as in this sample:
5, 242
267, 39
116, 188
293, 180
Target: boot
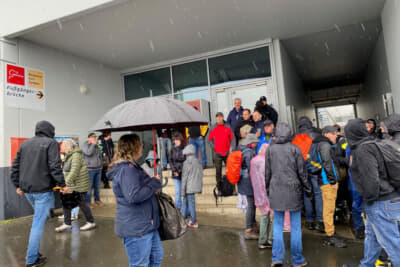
319, 226
360, 233
310, 226
249, 234
335, 241
256, 228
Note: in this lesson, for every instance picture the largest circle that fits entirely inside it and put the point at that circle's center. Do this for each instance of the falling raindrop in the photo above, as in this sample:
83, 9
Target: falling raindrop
73, 66
81, 26
299, 57
171, 21
200, 35
151, 45
363, 26
337, 28
59, 24
326, 46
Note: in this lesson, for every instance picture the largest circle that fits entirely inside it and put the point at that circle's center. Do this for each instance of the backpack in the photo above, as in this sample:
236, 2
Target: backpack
224, 189
391, 156
309, 152
234, 165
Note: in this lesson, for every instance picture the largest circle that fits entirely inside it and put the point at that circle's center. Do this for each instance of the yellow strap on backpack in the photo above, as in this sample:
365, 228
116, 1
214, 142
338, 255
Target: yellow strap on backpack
57, 188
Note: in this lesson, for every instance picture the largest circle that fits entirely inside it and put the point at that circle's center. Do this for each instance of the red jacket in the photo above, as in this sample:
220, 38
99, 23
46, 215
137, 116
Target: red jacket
221, 136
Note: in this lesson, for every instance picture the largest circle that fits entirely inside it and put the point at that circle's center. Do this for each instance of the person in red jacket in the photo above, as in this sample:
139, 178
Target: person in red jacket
220, 138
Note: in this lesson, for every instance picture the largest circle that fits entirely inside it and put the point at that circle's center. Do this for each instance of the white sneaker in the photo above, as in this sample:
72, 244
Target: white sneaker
74, 217
61, 217
88, 226
63, 227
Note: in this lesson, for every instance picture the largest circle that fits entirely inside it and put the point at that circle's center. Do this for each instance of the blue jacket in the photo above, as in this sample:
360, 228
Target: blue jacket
137, 206
245, 186
259, 125
234, 117
264, 140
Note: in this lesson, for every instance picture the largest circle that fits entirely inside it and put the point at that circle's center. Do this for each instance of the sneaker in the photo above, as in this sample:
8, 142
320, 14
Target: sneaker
39, 255
193, 225
320, 227
61, 217
256, 228
90, 205
277, 264
301, 265
249, 234
360, 233
39, 262
335, 241
265, 246
74, 217
62, 228
310, 226
88, 226
381, 263
99, 203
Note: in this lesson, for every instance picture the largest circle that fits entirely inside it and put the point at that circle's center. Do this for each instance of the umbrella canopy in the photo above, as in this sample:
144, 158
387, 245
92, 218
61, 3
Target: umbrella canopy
149, 113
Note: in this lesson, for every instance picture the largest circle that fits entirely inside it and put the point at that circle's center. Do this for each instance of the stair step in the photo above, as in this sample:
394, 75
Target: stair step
209, 172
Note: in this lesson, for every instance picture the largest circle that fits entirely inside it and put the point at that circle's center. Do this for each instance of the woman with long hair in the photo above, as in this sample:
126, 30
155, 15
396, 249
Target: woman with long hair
137, 217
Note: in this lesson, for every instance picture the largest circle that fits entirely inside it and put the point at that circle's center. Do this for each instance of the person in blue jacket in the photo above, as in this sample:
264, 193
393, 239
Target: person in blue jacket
137, 217
235, 115
267, 136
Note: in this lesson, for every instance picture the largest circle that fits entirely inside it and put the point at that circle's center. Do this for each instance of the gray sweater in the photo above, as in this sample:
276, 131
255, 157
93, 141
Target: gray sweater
92, 155
192, 172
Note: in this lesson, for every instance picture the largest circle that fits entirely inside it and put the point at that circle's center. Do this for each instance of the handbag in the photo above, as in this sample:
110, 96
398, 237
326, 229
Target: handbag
172, 223
70, 200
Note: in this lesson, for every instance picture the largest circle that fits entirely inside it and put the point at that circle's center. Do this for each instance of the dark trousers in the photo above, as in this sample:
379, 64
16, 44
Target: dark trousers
84, 207
104, 178
250, 212
218, 159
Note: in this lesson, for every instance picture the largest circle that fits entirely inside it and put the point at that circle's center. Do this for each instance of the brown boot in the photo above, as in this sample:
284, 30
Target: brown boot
256, 228
249, 234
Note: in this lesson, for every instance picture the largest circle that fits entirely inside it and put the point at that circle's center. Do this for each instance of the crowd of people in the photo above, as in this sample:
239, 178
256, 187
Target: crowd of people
282, 174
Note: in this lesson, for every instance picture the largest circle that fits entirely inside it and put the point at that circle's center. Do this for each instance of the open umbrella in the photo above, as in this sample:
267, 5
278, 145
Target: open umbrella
149, 114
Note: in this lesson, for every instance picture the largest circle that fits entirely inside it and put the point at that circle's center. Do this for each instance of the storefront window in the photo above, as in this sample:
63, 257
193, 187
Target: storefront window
244, 65
192, 95
190, 76
150, 83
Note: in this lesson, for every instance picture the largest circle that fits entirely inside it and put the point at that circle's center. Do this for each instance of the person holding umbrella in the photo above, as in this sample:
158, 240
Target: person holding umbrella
137, 216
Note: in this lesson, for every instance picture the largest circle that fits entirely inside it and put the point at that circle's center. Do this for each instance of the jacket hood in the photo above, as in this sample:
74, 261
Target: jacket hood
304, 124
283, 133
356, 132
263, 149
321, 138
189, 150
150, 155
45, 128
249, 139
115, 170
393, 123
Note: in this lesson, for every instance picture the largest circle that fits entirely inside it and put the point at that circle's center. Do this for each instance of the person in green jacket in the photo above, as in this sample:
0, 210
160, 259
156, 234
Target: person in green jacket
77, 178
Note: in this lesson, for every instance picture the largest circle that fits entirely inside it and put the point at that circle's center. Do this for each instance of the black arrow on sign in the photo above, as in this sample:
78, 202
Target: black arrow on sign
39, 95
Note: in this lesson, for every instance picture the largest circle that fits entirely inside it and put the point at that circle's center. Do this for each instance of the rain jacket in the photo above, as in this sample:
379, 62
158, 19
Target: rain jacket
196, 131
37, 165
367, 167
192, 172
146, 165
265, 139
137, 205
267, 112
176, 159
285, 172
75, 172
305, 126
257, 175
220, 138
248, 153
234, 117
330, 173
92, 155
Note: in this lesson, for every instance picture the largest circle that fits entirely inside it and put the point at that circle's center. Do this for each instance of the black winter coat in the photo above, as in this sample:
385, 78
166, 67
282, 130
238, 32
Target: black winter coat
331, 172
37, 166
176, 159
286, 173
267, 112
240, 125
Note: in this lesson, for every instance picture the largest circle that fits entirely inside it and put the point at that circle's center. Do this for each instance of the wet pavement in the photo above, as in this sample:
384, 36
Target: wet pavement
206, 246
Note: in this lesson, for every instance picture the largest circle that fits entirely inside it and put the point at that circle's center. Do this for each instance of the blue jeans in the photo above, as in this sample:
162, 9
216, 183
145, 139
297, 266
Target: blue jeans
199, 145
75, 211
165, 148
189, 206
178, 189
278, 247
382, 231
144, 251
41, 204
95, 179
356, 206
308, 204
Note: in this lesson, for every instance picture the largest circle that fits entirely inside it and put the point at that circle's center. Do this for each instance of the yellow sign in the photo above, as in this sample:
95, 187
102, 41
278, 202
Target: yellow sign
35, 79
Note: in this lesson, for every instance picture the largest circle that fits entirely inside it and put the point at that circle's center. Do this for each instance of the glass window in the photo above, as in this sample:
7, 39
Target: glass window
191, 76
145, 84
192, 95
244, 65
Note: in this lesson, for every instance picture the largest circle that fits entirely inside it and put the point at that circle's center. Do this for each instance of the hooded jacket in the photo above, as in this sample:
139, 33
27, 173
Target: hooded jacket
92, 155
37, 165
137, 206
305, 126
176, 159
244, 185
285, 172
75, 172
393, 125
192, 172
330, 173
367, 166
146, 165
220, 139
257, 175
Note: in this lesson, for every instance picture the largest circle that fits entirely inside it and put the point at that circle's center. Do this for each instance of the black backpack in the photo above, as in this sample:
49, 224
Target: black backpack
391, 156
223, 189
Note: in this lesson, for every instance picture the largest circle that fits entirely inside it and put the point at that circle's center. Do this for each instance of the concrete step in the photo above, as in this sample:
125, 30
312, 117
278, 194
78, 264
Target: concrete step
206, 172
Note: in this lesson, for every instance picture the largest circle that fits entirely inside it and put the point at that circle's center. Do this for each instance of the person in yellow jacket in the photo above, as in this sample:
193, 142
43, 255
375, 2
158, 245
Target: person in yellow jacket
196, 136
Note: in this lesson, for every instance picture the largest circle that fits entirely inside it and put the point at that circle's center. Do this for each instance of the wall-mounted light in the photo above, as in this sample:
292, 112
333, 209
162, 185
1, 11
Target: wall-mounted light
84, 90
